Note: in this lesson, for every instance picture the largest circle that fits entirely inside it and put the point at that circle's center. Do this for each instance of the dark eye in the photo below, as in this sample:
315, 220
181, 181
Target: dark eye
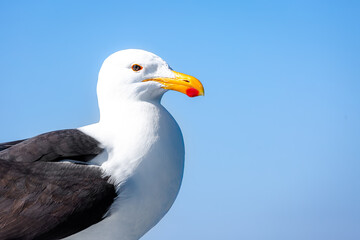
136, 67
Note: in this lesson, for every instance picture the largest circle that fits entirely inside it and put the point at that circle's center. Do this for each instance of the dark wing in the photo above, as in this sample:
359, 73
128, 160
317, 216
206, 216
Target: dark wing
45, 200
6, 145
41, 198
52, 146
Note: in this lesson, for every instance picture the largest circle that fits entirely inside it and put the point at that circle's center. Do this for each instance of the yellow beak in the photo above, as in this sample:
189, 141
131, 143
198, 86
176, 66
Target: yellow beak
182, 83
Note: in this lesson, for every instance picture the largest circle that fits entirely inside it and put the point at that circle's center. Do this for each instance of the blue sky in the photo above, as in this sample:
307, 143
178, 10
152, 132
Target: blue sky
272, 150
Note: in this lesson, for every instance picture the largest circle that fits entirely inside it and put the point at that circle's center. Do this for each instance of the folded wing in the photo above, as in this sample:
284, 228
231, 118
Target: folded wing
42, 198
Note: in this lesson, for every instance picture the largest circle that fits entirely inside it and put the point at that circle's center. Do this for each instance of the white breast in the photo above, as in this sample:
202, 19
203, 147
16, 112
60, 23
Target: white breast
145, 157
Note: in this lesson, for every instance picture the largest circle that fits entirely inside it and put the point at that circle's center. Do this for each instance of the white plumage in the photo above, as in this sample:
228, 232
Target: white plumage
144, 149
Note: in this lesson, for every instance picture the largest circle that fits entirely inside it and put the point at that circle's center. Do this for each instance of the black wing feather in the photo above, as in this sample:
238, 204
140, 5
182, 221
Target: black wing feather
52, 146
41, 198
50, 200
6, 145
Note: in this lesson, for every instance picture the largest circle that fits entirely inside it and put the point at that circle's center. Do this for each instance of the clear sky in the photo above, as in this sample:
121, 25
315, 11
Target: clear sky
272, 150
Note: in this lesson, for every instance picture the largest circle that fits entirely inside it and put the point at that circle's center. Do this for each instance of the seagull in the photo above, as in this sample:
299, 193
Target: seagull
114, 179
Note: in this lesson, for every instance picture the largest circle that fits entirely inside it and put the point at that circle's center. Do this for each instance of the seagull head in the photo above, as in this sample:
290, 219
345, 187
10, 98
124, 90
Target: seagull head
134, 74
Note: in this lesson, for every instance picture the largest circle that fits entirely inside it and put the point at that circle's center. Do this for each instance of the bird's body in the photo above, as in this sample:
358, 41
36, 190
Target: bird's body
134, 156
147, 168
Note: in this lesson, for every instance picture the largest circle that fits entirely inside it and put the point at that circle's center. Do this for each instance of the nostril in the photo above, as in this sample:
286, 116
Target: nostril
186, 81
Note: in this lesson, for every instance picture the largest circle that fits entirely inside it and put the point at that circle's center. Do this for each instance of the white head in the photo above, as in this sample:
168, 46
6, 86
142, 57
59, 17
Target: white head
141, 76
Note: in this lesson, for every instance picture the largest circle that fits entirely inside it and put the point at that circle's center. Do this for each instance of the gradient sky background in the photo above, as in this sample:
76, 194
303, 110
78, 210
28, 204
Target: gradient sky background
272, 150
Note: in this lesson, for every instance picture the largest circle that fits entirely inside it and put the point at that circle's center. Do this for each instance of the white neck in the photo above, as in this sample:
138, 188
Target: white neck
145, 156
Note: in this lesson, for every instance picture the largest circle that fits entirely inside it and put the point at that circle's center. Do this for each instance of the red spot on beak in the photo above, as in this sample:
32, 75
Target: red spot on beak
192, 92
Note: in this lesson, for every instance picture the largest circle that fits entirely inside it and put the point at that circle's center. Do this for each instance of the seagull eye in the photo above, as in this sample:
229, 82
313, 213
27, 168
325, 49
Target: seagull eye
136, 67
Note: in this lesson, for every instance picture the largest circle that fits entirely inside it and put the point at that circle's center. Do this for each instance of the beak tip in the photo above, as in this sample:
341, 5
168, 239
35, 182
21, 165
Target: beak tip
192, 92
